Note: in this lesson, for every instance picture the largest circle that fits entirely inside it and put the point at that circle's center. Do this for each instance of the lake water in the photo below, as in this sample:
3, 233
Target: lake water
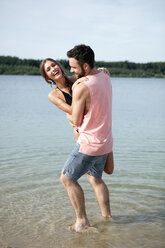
35, 140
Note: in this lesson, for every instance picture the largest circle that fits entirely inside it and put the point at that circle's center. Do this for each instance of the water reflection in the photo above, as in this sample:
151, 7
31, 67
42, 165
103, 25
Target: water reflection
34, 207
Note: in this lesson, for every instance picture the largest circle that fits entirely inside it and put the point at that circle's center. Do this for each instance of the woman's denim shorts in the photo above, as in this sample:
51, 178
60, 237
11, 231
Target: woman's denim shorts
79, 164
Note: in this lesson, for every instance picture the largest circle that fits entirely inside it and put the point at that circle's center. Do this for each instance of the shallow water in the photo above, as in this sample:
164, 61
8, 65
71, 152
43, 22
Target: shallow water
35, 140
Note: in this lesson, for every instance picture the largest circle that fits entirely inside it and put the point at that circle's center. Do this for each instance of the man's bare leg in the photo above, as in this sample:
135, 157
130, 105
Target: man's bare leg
102, 195
76, 196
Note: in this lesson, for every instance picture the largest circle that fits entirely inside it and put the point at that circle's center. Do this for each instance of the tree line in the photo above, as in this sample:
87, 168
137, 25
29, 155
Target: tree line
15, 66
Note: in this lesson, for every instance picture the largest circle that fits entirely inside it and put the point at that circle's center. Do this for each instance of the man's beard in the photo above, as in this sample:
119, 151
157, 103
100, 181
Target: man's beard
82, 73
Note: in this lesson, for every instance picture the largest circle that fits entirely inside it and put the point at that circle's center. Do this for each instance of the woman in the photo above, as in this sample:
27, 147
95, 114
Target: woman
61, 96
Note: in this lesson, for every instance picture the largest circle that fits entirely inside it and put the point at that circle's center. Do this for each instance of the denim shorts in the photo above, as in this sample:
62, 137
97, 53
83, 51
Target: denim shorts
79, 164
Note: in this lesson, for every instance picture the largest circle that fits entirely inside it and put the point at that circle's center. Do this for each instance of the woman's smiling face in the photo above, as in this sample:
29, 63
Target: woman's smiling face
52, 70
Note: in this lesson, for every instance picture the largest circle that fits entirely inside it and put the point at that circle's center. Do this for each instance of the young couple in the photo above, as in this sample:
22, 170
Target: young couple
86, 97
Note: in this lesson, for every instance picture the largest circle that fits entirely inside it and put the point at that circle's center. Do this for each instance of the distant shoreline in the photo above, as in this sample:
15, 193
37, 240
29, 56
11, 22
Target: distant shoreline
15, 66
39, 75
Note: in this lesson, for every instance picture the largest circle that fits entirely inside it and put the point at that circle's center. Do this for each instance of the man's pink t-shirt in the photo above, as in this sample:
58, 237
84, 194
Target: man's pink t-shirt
96, 129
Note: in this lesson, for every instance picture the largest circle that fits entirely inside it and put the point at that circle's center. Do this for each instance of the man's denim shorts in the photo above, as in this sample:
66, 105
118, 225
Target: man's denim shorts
79, 164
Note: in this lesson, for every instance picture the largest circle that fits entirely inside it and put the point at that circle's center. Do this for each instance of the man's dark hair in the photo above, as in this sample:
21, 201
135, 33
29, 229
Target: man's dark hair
83, 54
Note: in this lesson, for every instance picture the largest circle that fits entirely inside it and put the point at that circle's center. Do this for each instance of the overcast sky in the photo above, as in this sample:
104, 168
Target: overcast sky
117, 30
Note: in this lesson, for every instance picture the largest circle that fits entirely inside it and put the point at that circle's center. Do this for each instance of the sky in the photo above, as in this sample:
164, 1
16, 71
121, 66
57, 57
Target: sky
117, 30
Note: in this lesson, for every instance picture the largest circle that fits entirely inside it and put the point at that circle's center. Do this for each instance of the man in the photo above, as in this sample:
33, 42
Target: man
91, 113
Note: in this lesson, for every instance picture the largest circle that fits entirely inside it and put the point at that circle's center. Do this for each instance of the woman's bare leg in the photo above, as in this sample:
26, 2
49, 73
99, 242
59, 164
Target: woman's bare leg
109, 166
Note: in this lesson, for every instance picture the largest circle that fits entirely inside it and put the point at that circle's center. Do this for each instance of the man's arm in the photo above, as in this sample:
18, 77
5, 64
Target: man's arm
79, 97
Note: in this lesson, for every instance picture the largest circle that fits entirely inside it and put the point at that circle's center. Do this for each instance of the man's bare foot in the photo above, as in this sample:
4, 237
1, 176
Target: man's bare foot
109, 218
78, 227
83, 229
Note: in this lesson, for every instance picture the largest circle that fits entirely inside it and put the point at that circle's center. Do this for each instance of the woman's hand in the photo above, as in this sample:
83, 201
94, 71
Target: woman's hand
105, 70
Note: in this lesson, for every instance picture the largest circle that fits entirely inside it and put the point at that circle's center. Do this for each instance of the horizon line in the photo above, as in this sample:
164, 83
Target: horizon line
117, 61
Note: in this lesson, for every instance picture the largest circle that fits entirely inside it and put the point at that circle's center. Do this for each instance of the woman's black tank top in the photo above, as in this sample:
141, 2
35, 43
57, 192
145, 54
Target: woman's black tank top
67, 97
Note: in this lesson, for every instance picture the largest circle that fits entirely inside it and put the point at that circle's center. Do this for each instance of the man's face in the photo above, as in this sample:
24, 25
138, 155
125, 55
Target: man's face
76, 68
